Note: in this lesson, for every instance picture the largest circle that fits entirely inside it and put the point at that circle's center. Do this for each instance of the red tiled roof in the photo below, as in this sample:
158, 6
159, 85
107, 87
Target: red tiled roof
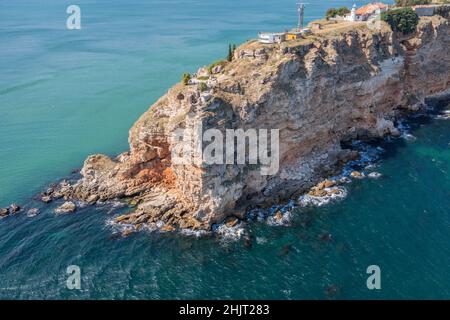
370, 8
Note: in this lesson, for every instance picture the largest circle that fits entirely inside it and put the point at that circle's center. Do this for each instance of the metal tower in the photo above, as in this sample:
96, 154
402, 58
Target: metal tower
301, 11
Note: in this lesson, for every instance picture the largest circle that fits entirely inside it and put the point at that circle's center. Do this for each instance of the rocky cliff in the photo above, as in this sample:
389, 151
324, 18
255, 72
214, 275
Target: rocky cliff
319, 92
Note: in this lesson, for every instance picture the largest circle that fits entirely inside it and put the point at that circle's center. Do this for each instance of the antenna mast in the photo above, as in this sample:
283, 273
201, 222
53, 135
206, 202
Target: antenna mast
301, 11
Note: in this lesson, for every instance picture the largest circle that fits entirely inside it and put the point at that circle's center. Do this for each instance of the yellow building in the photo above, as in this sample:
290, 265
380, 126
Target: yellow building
290, 36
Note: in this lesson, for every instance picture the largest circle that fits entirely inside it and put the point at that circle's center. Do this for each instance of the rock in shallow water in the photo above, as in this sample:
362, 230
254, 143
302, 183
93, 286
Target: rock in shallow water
345, 180
92, 199
46, 199
4, 212
357, 175
374, 175
66, 207
278, 216
127, 233
231, 222
167, 228
14, 208
331, 291
33, 212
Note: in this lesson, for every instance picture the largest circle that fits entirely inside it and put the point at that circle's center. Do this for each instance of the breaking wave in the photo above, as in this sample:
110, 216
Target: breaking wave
333, 194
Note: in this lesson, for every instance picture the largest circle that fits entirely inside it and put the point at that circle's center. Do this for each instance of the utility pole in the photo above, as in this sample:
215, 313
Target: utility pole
301, 11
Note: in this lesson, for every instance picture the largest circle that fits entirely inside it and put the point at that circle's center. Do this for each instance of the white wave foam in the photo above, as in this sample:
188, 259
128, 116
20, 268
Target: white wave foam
444, 116
230, 233
408, 136
194, 233
333, 194
285, 220
374, 175
345, 180
370, 166
261, 240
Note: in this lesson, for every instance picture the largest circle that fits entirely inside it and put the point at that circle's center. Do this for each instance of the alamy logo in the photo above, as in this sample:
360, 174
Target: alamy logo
73, 22
235, 146
74, 279
374, 280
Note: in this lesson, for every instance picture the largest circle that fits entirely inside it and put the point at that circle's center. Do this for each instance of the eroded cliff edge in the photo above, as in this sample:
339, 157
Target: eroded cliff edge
318, 92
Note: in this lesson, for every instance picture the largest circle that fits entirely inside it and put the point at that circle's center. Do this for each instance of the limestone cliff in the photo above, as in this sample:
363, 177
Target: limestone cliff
319, 92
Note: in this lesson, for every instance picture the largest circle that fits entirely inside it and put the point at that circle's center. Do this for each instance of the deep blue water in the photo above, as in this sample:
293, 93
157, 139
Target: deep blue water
67, 94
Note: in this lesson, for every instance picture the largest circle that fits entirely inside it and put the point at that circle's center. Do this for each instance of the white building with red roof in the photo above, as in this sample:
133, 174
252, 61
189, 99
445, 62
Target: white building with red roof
366, 12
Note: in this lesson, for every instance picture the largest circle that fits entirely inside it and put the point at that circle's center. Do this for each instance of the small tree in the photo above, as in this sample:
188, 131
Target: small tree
342, 11
404, 20
186, 78
215, 64
230, 53
443, 11
332, 12
406, 3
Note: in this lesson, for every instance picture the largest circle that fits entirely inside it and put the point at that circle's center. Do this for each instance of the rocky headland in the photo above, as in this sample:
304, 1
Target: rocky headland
321, 92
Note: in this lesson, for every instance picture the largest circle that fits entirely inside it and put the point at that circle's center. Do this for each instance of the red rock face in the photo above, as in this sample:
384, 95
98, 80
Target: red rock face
317, 94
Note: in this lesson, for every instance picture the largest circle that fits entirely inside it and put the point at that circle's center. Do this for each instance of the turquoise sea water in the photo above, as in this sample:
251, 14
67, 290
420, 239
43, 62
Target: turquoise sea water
67, 94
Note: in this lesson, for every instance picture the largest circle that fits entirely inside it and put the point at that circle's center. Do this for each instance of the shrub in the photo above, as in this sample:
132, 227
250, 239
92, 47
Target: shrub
404, 20
202, 87
214, 64
443, 11
405, 3
186, 78
342, 11
332, 12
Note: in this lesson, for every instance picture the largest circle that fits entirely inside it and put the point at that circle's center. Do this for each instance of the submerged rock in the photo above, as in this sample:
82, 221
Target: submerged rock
332, 291
326, 237
66, 207
4, 212
285, 249
248, 240
14, 208
11, 210
46, 199
345, 180
127, 232
33, 212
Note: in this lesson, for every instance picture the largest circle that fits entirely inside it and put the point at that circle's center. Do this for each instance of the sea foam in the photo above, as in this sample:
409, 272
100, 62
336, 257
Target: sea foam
333, 194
